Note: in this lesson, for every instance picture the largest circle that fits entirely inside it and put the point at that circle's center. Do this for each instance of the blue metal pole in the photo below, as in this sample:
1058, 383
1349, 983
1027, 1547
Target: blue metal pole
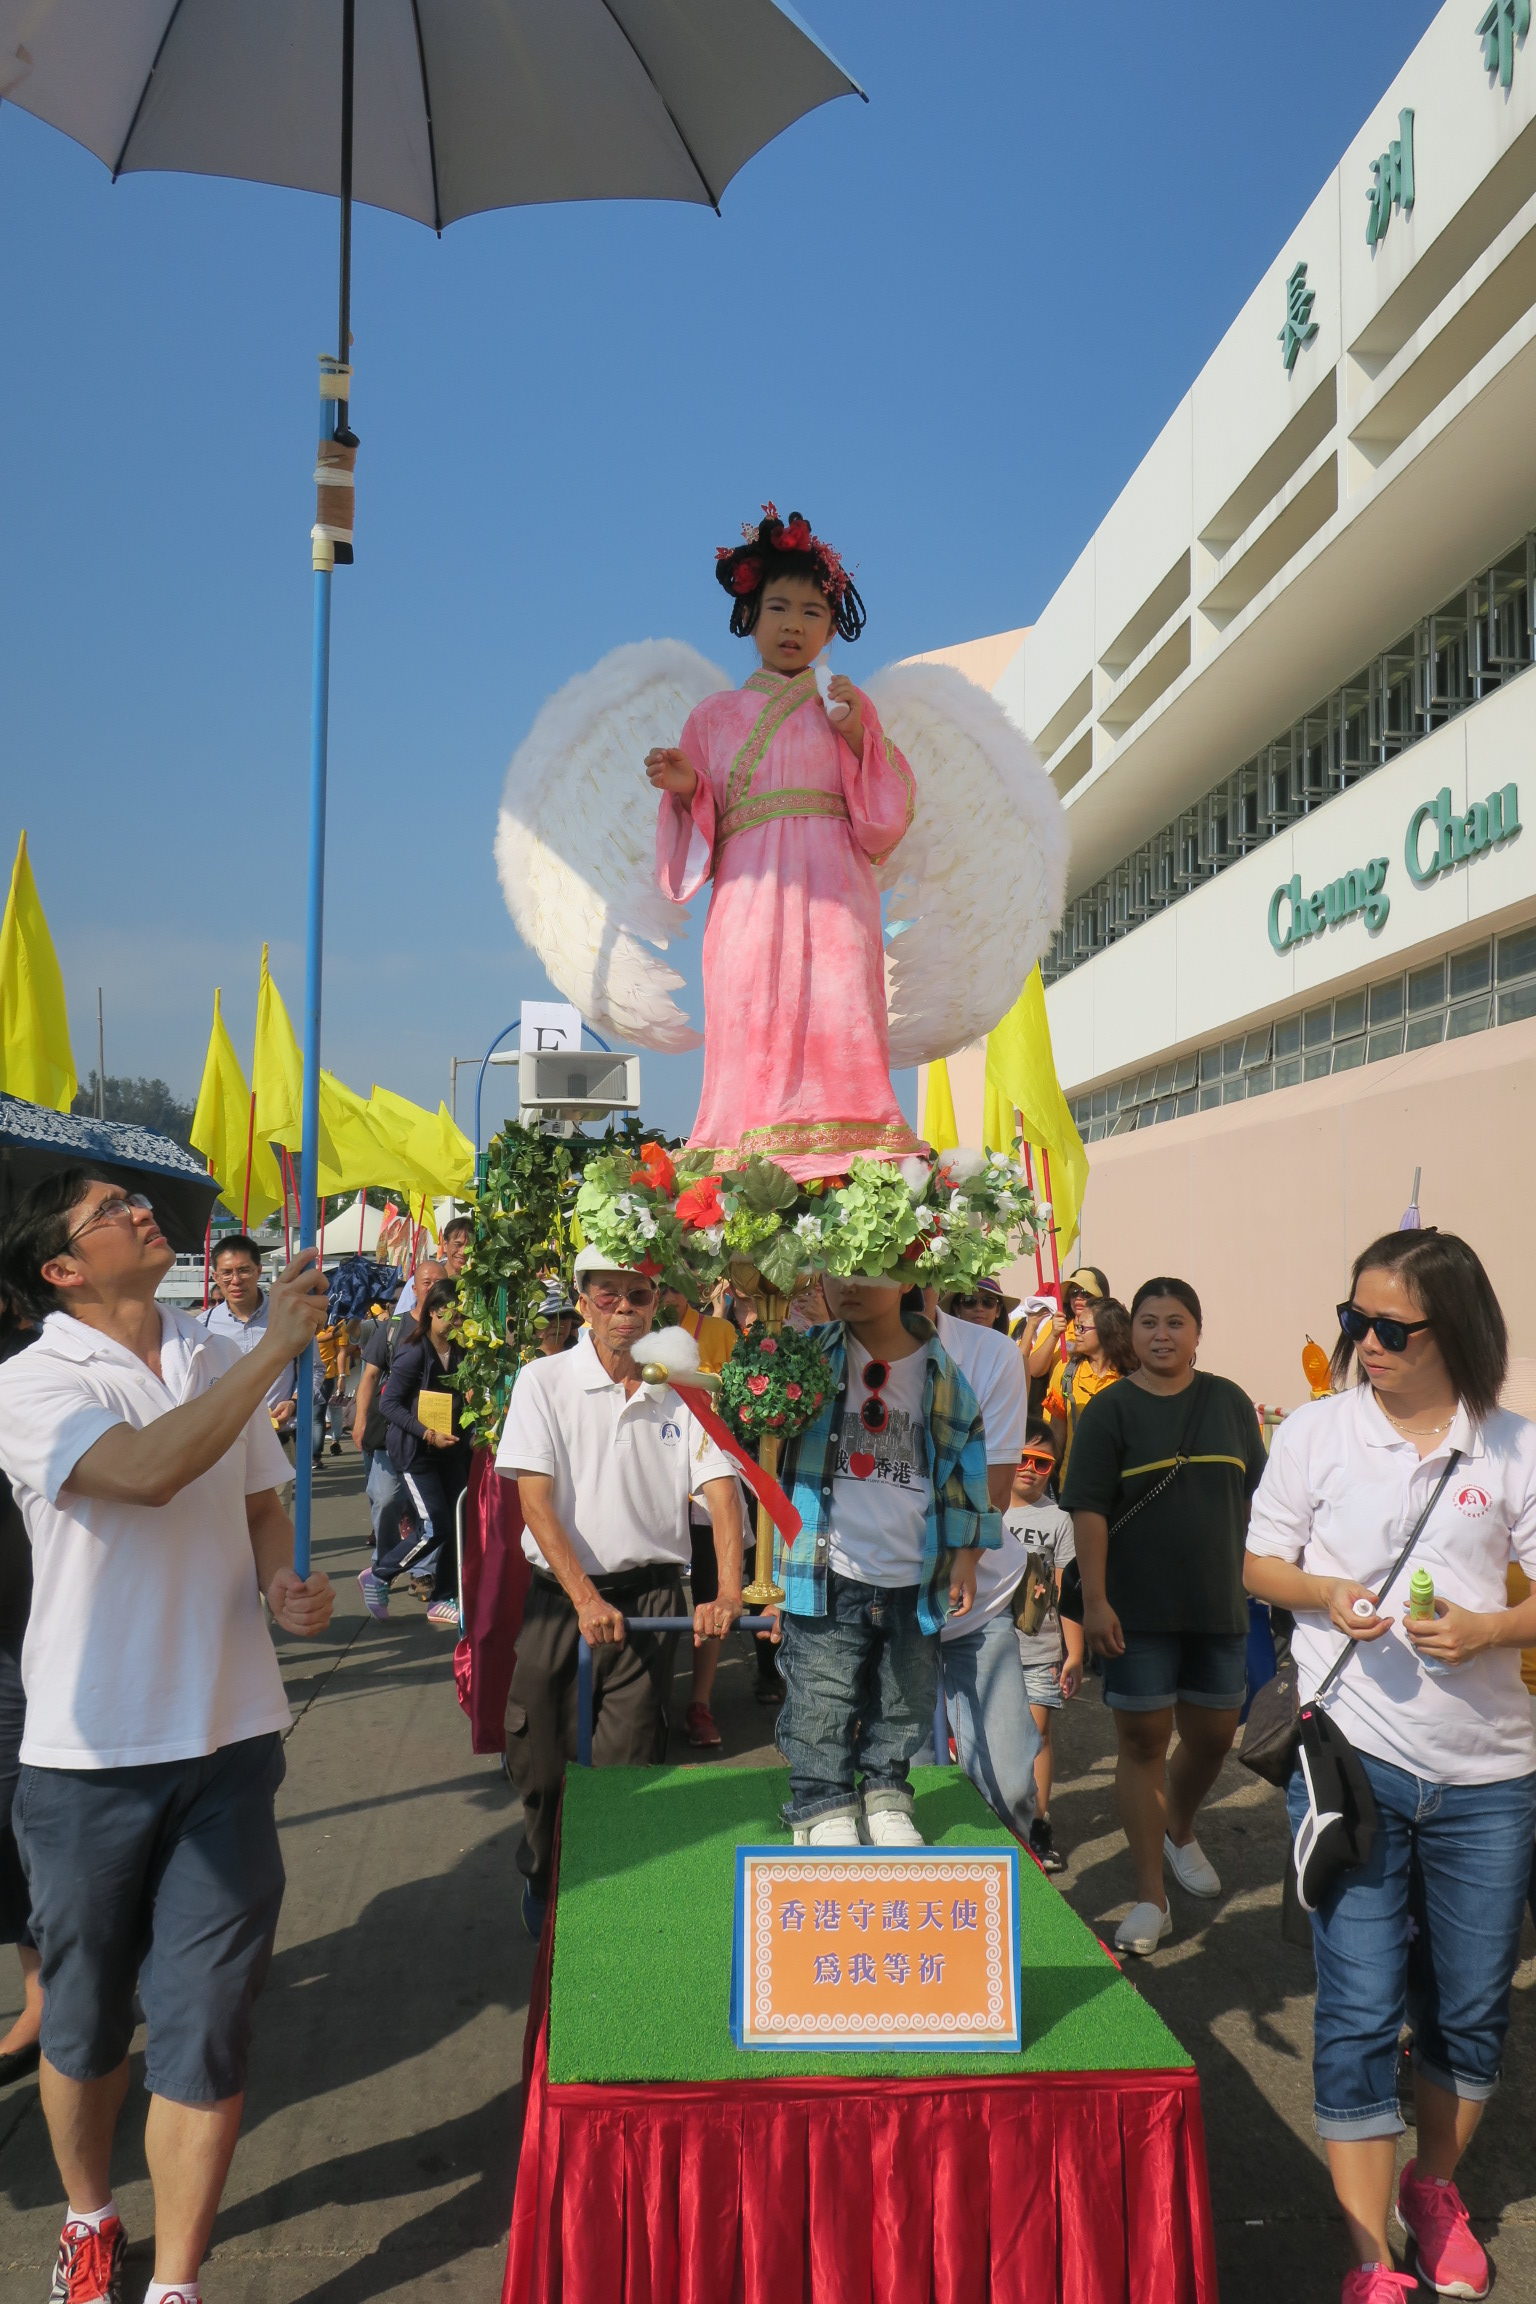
309, 1159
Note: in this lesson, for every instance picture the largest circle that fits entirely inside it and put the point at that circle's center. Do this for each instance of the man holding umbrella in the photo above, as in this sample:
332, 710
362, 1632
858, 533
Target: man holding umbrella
147, 1471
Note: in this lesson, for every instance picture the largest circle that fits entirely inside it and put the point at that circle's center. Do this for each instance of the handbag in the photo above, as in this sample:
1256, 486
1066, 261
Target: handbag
1272, 1734
1070, 1601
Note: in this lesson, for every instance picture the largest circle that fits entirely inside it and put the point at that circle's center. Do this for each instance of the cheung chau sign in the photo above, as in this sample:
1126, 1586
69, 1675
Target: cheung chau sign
1439, 838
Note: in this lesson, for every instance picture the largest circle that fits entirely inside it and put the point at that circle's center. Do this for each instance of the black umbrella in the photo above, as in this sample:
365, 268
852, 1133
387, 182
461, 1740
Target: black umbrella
35, 1143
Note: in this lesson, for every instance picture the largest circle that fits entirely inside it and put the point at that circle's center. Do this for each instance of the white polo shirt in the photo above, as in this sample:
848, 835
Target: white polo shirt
993, 1366
245, 1335
1340, 1495
147, 1639
623, 1469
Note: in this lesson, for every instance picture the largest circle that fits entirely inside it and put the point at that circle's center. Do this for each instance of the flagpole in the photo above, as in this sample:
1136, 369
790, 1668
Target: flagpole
324, 560
208, 1253
250, 1154
1029, 1178
1045, 1171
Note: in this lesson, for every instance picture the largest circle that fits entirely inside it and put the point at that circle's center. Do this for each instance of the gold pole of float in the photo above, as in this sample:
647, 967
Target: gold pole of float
773, 1310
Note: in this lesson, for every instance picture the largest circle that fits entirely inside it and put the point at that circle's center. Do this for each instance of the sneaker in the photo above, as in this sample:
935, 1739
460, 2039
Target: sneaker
770, 1691
419, 1587
699, 1727
375, 1593
1377, 2284
892, 1828
839, 1831
1043, 1848
1192, 1868
335, 1447
1450, 2260
444, 1612
1143, 1928
533, 1911
90, 2264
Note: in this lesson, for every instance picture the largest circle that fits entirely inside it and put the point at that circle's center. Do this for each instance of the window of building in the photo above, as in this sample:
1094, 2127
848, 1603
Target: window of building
1483, 985
1473, 644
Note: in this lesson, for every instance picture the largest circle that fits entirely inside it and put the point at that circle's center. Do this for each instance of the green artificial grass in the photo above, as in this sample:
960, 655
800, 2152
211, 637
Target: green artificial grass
641, 1984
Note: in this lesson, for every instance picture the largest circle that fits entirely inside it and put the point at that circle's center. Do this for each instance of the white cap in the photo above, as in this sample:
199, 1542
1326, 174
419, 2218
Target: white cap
590, 1259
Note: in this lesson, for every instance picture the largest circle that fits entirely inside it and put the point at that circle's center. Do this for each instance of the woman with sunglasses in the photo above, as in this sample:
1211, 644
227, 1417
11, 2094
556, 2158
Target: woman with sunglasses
1437, 1713
1102, 1354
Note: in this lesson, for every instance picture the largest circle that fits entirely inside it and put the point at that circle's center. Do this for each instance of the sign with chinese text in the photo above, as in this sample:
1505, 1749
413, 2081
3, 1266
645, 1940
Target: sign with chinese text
860, 1949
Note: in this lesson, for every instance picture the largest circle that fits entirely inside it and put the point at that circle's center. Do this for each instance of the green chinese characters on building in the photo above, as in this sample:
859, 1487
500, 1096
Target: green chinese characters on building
1391, 180
1300, 327
1500, 27
1456, 836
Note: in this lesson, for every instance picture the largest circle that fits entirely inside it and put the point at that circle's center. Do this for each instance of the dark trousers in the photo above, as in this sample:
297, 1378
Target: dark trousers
428, 1546
631, 1685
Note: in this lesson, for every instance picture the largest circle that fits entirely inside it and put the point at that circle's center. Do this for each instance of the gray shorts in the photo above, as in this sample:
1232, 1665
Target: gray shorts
167, 1879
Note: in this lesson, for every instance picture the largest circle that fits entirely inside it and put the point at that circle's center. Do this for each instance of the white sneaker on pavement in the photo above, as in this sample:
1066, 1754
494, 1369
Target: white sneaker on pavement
839, 1831
892, 1828
1192, 1868
1143, 1928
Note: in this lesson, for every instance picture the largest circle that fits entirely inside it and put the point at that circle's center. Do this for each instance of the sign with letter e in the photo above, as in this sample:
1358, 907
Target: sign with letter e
848, 1948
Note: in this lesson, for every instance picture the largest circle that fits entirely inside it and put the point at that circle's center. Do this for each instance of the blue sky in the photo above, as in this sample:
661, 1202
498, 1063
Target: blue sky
946, 325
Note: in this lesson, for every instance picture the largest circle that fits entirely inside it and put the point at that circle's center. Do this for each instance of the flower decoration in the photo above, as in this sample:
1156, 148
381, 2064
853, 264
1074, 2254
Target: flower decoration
655, 1171
700, 1205
774, 1384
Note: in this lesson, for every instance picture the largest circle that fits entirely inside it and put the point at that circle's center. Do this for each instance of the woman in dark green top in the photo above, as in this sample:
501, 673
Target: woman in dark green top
1163, 1467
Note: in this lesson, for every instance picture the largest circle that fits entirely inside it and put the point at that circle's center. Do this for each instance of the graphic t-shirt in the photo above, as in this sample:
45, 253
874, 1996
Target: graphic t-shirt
881, 1489
1043, 1529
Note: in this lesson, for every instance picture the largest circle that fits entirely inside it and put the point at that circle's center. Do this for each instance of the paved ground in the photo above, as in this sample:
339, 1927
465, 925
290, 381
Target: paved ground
378, 2154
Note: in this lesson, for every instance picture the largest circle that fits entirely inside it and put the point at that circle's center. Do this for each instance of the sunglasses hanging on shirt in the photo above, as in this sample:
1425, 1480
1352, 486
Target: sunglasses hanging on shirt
873, 1412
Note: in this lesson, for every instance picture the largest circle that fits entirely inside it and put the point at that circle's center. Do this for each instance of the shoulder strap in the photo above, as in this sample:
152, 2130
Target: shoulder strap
1197, 1392
1414, 1533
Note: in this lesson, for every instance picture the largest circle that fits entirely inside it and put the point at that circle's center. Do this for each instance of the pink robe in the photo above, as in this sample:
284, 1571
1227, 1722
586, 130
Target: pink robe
788, 821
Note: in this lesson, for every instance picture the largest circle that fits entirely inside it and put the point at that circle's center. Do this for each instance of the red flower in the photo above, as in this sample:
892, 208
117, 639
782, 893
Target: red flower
701, 1204
648, 1268
796, 536
768, 1344
816, 1403
655, 1171
746, 575
744, 1412
910, 1255
793, 1391
757, 1386
833, 1183
776, 1419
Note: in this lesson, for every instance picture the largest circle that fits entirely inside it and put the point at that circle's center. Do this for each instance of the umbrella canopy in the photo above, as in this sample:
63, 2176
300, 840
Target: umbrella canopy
461, 105
35, 1143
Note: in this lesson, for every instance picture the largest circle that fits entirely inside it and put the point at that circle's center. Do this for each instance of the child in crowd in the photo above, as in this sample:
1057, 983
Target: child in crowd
890, 1482
1050, 1645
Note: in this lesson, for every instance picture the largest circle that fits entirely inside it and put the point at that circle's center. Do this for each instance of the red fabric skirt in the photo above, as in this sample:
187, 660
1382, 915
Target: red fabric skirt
1086, 2188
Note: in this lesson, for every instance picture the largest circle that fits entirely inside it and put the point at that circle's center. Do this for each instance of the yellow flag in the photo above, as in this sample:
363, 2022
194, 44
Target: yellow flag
1022, 1069
456, 1155
939, 1124
999, 1121
410, 1130
35, 1058
221, 1130
277, 1069
352, 1154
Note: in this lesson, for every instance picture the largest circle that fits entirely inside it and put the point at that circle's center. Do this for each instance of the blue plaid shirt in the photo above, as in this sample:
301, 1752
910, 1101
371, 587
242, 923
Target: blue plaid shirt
959, 1513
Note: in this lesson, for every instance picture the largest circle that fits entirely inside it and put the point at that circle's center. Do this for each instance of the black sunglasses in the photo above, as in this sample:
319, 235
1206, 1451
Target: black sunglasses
1391, 1335
873, 1413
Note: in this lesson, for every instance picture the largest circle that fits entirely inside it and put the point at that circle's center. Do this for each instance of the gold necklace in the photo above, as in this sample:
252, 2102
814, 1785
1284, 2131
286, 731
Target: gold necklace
1398, 1424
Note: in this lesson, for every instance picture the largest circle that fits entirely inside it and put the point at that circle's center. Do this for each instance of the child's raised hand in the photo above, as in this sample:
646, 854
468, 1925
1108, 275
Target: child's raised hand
671, 771
841, 690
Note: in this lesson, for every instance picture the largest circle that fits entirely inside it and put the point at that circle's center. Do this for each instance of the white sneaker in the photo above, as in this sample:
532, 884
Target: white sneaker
1192, 1868
1143, 1928
892, 1828
839, 1831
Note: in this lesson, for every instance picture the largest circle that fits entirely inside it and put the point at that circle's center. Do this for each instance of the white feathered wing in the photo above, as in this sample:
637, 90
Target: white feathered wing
976, 887
576, 839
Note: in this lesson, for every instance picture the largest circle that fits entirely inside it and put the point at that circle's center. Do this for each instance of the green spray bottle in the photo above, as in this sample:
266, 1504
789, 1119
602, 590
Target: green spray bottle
1421, 1609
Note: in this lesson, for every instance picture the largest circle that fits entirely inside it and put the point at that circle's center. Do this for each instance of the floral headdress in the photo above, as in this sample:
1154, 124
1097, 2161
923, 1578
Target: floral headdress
742, 568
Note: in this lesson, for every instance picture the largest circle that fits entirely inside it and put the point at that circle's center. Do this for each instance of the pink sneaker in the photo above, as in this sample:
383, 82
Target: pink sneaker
1450, 2260
1377, 2284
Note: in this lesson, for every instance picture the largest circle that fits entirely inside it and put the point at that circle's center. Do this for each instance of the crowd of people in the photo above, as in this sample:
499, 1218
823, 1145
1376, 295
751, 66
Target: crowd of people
998, 1501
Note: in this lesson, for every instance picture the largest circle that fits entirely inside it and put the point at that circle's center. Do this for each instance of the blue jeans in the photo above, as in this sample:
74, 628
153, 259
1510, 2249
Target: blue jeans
388, 1500
860, 1684
988, 1705
1430, 1926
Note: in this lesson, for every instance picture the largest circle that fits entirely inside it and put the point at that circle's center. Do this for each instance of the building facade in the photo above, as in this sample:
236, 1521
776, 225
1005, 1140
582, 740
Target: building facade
1284, 695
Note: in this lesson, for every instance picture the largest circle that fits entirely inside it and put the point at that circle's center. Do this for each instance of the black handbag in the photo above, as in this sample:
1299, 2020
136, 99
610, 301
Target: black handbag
1070, 1600
1273, 1727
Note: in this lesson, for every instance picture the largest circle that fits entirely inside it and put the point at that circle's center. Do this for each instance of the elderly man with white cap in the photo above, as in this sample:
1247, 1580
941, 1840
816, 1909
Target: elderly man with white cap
604, 1465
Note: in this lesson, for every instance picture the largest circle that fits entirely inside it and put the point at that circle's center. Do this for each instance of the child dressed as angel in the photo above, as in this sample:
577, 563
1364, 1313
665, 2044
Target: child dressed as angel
788, 803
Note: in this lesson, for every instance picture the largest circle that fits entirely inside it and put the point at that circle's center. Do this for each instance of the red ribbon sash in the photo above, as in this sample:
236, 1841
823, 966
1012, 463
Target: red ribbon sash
762, 1484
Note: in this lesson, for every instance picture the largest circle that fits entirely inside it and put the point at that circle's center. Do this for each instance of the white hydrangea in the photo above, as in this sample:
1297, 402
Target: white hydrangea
810, 1227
